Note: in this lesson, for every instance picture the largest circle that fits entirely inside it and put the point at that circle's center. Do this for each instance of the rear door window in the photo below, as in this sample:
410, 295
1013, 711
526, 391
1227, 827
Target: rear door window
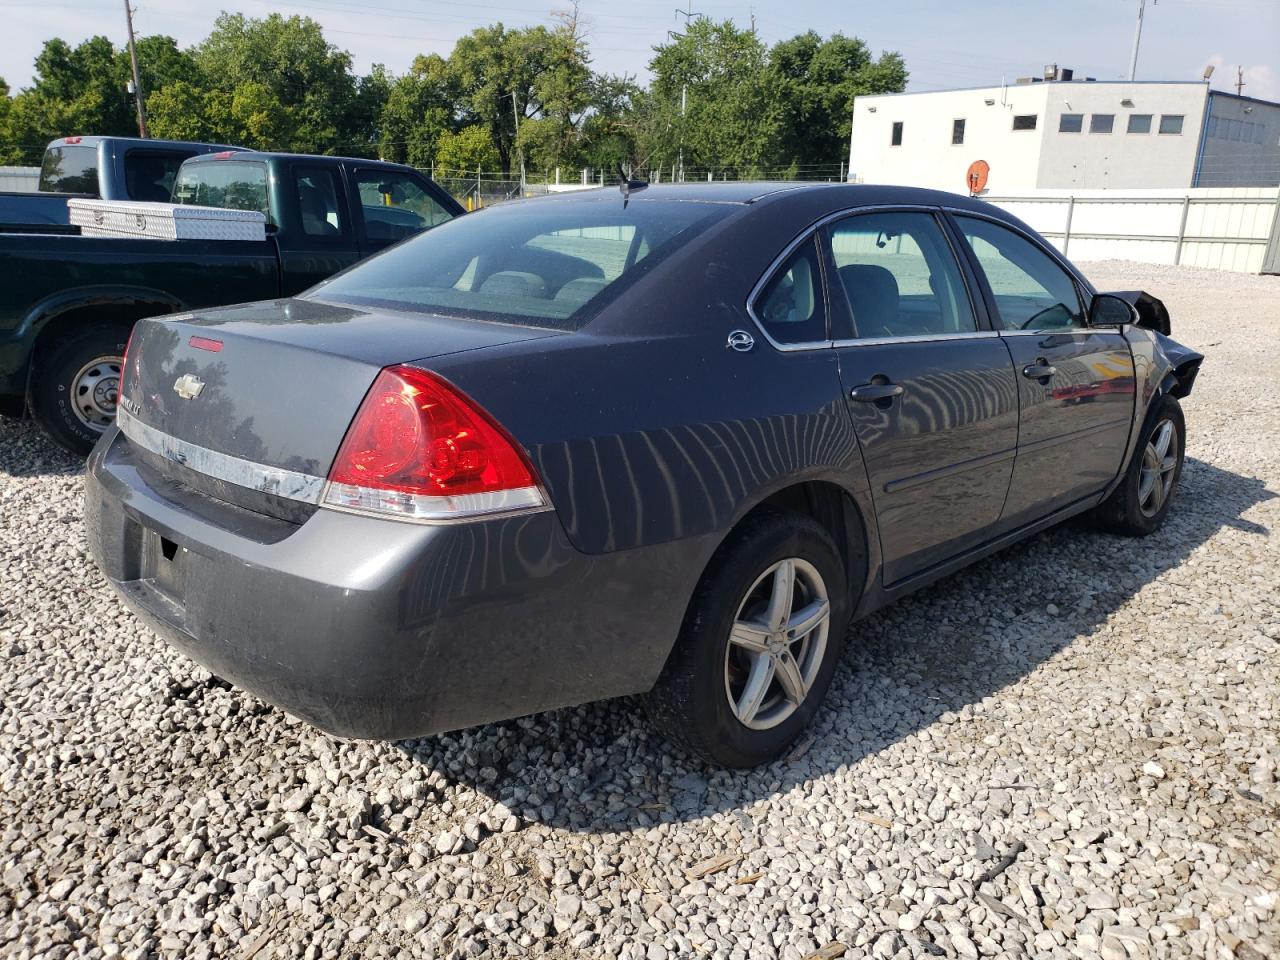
71, 169
230, 184
396, 205
900, 276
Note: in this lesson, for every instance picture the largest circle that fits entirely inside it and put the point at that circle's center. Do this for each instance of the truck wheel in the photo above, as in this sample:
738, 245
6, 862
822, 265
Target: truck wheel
76, 384
760, 642
1139, 505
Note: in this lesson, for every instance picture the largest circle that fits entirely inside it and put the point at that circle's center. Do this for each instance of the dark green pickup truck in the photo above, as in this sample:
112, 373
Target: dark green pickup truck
67, 302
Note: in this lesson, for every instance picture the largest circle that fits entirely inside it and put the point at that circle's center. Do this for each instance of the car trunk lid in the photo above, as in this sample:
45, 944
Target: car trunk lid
259, 396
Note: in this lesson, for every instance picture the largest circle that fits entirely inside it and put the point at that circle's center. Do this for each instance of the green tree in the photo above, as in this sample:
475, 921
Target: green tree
814, 81
418, 112
504, 78
471, 148
610, 129
299, 88
731, 118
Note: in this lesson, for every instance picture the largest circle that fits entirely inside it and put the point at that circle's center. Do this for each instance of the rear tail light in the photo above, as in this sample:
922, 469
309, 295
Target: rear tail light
124, 361
419, 449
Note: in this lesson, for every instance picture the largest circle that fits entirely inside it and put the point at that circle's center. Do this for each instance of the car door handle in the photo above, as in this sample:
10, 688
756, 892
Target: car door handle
872, 392
1040, 370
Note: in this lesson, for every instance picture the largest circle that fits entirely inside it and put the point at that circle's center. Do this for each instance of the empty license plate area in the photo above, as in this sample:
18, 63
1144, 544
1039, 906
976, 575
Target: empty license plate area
164, 564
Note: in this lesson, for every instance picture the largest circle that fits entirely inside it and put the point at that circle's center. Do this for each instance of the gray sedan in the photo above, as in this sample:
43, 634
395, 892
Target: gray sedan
670, 441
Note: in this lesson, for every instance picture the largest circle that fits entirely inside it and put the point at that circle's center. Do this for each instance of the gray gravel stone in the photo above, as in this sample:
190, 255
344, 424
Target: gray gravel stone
1106, 708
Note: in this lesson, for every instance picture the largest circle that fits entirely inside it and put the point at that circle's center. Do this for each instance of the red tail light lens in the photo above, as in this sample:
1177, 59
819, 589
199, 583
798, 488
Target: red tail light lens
420, 449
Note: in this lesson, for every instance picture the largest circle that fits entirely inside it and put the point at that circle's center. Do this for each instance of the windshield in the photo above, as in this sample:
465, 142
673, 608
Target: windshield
230, 184
546, 263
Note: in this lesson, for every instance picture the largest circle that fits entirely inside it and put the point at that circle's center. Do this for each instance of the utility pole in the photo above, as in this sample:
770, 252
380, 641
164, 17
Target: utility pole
515, 112
684, 100
137, 80
1239, 80
1137, 38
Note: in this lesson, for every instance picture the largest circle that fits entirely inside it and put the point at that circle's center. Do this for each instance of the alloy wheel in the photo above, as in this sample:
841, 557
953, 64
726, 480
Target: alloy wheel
776, 644
95, 390
1159, 466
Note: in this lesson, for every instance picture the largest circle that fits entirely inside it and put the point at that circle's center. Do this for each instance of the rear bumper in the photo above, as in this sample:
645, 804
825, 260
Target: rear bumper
383, 629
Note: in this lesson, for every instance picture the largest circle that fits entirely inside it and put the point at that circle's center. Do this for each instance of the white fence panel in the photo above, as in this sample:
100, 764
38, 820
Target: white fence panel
19, 178
1225, 229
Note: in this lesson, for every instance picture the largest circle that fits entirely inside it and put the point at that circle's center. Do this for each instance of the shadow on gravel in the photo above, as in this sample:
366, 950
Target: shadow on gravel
26, 452
598, 768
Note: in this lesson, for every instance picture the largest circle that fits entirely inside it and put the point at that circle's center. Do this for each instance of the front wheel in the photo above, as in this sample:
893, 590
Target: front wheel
1140, 504
759, 644
76, 386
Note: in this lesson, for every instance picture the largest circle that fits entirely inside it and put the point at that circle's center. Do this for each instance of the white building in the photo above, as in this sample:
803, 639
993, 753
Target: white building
1065, 133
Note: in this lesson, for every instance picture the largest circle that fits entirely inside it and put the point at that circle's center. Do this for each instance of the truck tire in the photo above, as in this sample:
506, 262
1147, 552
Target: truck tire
76, 383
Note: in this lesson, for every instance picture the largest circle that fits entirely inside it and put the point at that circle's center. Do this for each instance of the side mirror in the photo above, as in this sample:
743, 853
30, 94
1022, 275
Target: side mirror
1108, 310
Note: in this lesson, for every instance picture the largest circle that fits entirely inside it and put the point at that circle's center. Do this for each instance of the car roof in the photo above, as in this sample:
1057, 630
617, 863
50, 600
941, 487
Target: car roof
242, 154
839, 194
92, 140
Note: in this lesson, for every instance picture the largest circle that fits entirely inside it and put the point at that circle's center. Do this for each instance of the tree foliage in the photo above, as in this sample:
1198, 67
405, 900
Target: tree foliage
719, 98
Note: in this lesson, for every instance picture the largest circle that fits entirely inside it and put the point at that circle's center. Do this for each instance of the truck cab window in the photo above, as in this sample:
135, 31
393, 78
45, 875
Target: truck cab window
396, 205
318, 202
70, 170
230, 184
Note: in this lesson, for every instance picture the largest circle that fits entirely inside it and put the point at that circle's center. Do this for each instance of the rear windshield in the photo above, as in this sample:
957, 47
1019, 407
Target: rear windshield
70, 170
229, 184
546, 263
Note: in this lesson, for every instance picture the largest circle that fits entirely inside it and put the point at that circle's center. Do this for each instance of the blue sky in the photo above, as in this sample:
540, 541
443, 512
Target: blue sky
946, 43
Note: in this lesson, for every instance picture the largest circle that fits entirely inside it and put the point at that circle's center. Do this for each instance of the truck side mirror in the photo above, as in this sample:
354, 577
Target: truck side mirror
1108, 310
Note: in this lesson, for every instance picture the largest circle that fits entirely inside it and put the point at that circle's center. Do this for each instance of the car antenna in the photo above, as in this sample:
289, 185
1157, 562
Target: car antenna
626, 184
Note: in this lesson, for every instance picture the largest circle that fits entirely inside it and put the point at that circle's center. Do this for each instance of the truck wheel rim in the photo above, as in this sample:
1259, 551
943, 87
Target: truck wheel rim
1159, 465
777, 643
95, 390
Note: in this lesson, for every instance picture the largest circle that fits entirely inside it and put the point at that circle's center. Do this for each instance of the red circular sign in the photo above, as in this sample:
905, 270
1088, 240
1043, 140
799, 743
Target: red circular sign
976, 178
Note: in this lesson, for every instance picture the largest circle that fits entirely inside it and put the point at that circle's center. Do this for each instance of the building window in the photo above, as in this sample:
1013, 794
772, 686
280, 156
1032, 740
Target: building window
1102, 122
1139, 123
1171, 123
1071, 123
957, 132
1026, 121
896, 139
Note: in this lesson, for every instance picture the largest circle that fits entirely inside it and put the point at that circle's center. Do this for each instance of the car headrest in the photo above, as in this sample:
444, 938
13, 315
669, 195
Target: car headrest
873, 293
579, 291
515, 283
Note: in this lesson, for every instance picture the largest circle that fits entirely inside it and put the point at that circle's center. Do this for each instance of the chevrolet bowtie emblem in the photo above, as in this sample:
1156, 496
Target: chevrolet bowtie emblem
188, 386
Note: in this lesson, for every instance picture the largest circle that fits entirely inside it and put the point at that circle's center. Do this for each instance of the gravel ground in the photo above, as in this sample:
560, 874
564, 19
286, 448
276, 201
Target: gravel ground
1067, 750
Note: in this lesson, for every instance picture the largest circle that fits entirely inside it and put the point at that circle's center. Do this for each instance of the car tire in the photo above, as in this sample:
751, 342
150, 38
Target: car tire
1138, 506
75, 385
705, 695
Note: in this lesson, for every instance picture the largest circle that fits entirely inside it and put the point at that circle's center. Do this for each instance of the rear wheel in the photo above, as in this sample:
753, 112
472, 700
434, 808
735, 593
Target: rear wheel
76, 385
1140, 504
759, 644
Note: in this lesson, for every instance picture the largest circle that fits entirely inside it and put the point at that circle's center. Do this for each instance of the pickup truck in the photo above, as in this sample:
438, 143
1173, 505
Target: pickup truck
68, 302
108, 168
